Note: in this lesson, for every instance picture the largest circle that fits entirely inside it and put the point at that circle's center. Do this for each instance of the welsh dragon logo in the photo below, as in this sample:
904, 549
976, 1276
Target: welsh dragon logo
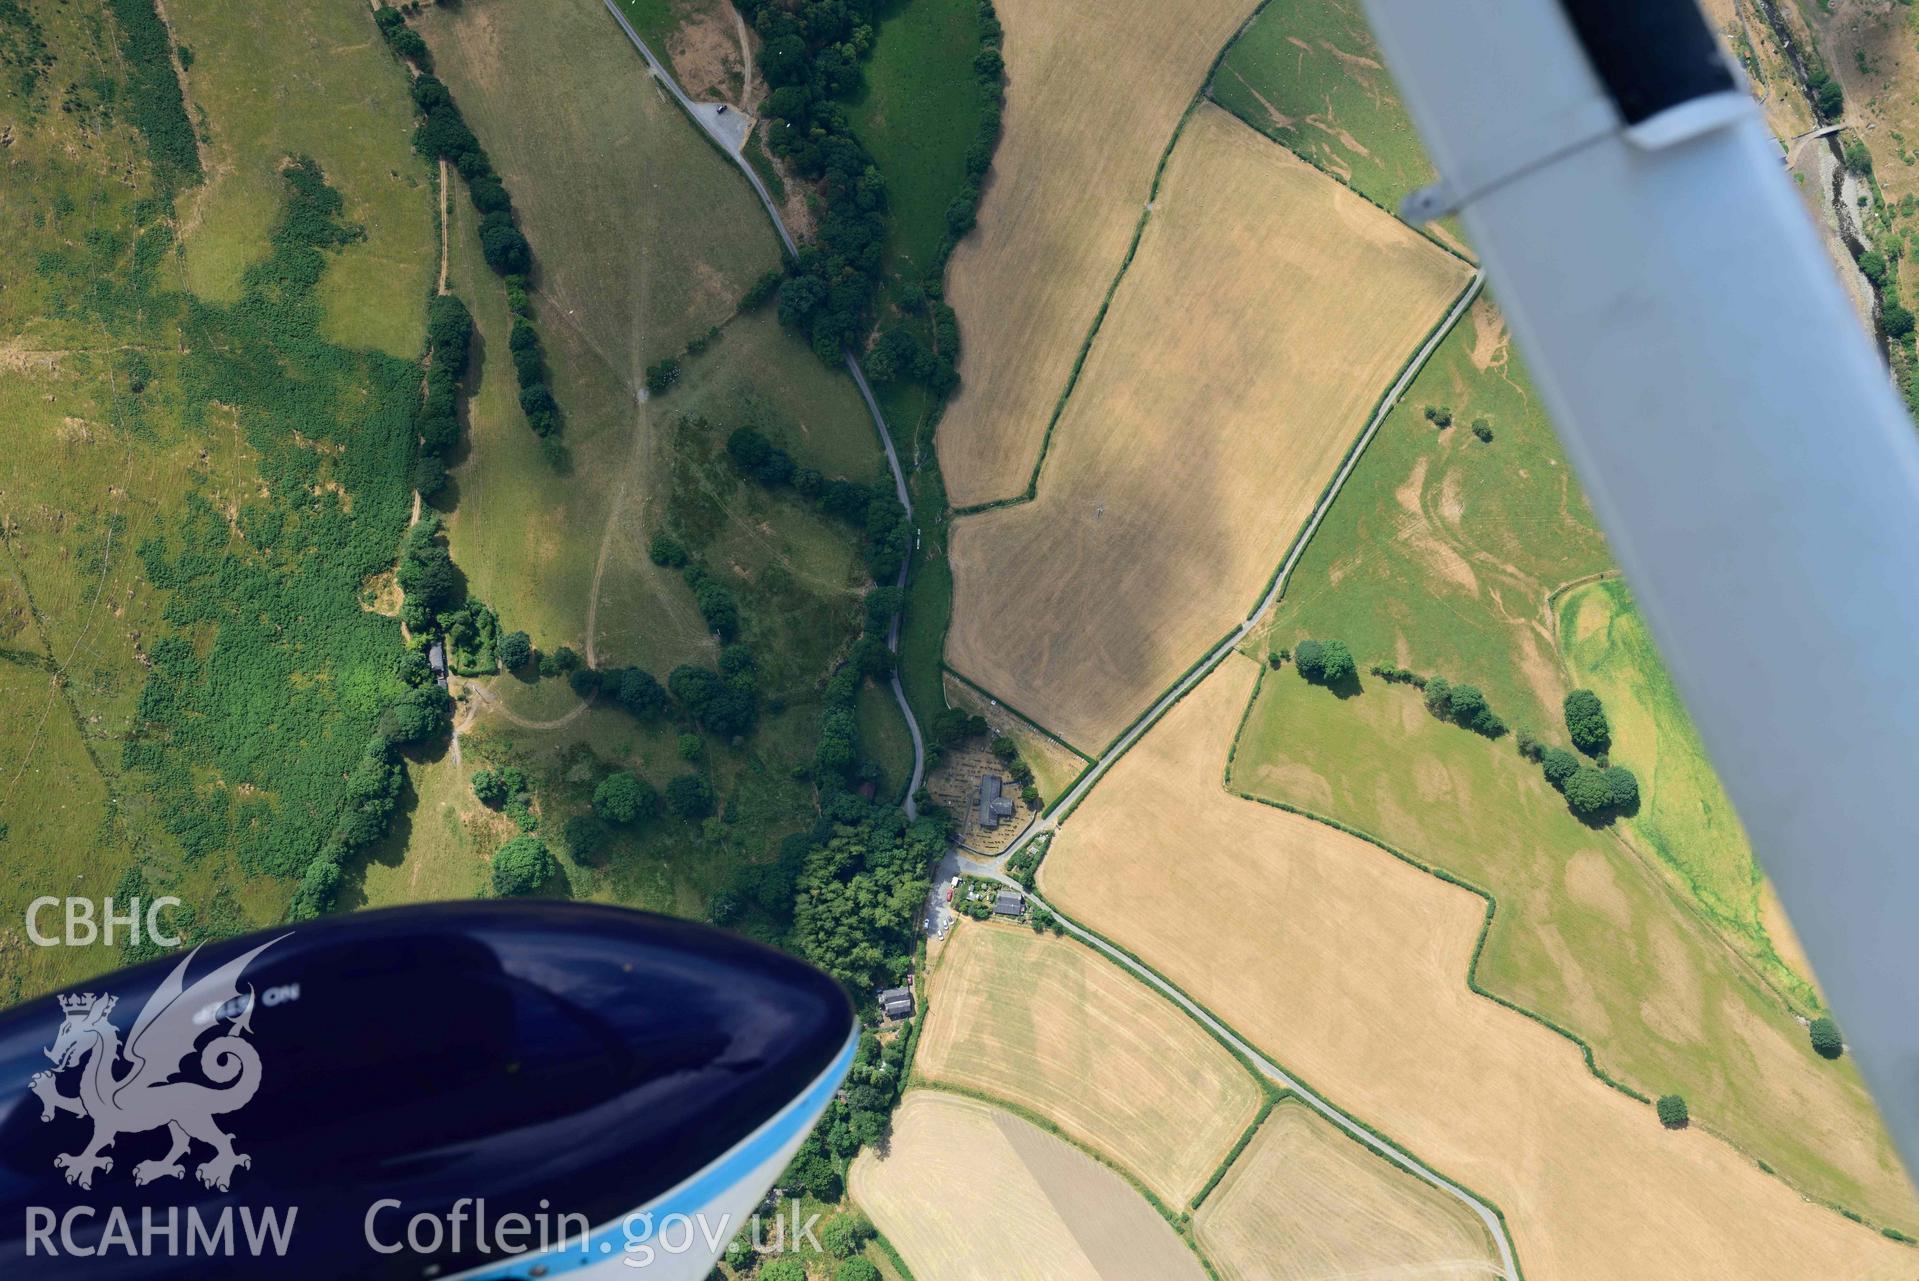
129, 1089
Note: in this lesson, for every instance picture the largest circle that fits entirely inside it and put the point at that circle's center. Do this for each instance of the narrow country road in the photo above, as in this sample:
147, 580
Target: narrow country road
1509, 1267
1266, 1067
729, 140
1097, 770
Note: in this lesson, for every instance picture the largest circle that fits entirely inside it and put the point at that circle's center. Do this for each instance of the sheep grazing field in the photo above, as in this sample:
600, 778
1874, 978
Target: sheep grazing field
1049, 1024
1266, 311
966, 1192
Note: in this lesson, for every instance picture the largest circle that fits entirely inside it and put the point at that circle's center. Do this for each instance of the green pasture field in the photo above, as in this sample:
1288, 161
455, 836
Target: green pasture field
267, 82
1307, 74
1587, 933
918, 116
644, 239
1687, 819
661, 865
530, 541
195, 495
1442, 550
643, 234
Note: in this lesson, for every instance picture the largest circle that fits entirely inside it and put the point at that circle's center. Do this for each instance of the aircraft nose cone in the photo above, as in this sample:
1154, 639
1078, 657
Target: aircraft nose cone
551, 1058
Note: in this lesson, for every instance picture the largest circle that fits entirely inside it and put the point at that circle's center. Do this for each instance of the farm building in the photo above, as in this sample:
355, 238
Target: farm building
1009, 903
994, 804
896, 1003
436, 659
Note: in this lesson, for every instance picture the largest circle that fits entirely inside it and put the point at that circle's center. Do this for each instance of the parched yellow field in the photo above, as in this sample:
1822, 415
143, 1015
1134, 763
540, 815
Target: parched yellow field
1267, 309
1048, 1024
1305, 1201
1094, 91
967, 1192
1349, 966
1055, 765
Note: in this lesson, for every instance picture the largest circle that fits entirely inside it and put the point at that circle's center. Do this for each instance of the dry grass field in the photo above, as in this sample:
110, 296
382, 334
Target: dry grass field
1094, 91
1266, 310
1050, 1025
1746, 34
967, 1192
1305, 1202
1349, 966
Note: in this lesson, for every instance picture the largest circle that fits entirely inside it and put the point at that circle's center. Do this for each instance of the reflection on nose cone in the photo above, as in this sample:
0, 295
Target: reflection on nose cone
427, 1091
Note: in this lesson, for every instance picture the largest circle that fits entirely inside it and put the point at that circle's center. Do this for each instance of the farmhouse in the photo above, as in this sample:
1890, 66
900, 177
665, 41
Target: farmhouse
1009, 903
896, 1003
994, 804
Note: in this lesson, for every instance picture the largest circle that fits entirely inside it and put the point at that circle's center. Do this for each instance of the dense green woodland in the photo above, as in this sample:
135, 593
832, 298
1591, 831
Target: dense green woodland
811, 58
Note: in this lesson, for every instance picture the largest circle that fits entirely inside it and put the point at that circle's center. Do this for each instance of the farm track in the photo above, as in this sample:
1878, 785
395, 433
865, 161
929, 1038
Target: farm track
720, 140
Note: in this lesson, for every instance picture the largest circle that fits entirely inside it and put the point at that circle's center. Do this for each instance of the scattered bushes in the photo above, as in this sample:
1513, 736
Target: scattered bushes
624, 798
1328, 663
661, 376
522, 866
153, 102
1826, 1041
495, 787
1586, 722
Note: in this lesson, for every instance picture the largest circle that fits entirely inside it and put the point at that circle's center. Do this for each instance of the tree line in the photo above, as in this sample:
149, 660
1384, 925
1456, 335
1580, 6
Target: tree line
443, 134
874, 510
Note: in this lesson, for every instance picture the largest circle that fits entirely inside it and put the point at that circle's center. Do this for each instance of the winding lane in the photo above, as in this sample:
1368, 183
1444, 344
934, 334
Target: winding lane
1204, 668
716, 124
707, 120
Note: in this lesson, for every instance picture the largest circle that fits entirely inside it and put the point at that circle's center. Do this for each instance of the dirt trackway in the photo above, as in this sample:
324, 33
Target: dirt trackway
722, 141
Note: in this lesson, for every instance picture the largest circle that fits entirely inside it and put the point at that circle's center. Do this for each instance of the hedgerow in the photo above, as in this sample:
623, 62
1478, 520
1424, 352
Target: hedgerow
443, 134
873, 509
